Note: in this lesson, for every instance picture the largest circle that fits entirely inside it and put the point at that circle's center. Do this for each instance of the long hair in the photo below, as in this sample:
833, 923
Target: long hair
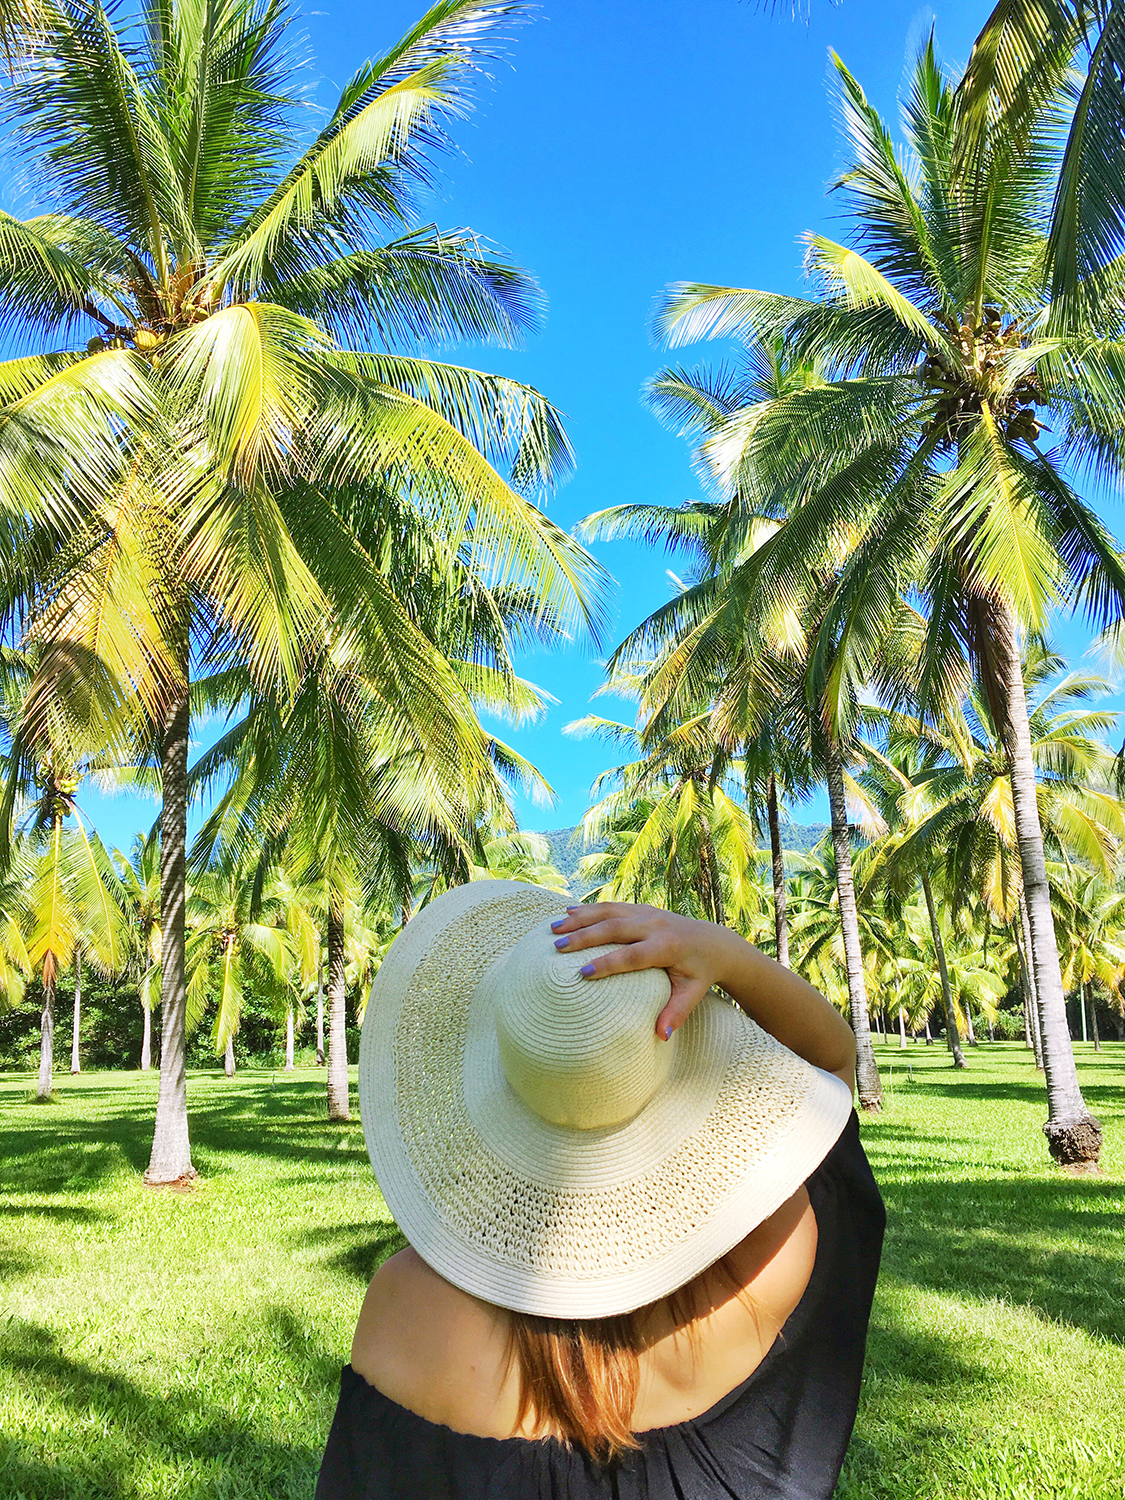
579, 1376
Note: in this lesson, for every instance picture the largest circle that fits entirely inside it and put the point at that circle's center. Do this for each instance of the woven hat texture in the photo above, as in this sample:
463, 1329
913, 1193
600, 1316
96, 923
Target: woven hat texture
538, 1145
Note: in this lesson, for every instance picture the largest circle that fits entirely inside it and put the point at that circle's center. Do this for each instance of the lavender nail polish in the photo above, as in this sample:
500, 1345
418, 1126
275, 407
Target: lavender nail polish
586, 970
561, 942
667, 1033
557, 923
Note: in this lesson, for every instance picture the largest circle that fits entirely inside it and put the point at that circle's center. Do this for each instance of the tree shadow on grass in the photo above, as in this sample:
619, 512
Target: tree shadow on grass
1052, 1244
70, 1213
913, 1374
137, 1430
70, 1158
68, 1153
1106, 1096
365, 1248
16, 1261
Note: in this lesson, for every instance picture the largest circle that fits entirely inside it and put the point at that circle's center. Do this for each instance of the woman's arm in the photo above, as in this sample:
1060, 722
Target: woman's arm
698, 955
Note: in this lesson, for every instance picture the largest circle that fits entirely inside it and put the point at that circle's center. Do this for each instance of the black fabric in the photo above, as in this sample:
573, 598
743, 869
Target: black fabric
781, 1435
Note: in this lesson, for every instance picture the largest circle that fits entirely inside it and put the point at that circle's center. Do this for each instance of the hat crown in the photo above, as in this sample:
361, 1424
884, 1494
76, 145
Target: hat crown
578, 1052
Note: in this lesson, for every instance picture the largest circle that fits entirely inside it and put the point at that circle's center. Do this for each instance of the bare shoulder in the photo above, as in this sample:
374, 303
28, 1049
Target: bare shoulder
738, 1308
404, 1301
428, 1345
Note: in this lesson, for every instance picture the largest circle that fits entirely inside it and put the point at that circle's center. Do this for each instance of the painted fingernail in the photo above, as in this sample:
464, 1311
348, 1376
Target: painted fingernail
574, 908
586, 971
667, 1033
561, 942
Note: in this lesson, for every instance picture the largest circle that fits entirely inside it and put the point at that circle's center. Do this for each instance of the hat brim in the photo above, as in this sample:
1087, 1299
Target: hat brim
559, 1222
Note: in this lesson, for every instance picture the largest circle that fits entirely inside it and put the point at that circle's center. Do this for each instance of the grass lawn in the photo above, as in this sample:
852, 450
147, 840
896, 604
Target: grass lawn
189, 1344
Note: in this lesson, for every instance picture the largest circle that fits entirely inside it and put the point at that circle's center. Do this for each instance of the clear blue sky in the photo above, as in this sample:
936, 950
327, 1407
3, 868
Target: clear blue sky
626, 145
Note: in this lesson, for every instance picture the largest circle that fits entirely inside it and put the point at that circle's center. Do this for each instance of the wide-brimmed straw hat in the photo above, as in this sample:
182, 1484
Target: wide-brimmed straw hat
539, 1145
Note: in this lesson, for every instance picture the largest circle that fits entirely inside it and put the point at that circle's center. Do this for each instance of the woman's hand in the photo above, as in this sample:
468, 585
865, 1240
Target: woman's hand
696, 955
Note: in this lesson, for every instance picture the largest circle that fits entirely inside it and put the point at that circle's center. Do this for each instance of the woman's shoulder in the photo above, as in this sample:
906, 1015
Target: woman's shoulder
431, 1347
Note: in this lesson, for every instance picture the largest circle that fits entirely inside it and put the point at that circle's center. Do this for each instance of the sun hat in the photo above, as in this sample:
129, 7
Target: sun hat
539, 1145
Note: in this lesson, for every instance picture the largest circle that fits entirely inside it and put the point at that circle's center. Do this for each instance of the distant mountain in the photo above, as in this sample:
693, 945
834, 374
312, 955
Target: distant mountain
567, 849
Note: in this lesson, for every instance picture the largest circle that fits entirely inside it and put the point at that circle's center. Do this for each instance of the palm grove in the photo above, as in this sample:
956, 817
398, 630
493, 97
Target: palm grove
236, 486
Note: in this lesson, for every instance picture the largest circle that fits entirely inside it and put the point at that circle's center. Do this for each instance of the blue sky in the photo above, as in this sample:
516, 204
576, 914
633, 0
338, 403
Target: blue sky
625, 145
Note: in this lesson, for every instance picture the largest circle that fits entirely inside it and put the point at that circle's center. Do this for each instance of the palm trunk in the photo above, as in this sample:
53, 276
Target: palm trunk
1074, 1136
1082, 1008
75, 1060
320, 1013
146, 1038
228, 1058
901, 1029
171, 1148
868, 1083
1037, 1037
970, 1034
929, 1038
338, 1104
289, 1039
1094, 1023
710, 881
1033, 1001
780, 913
1025, 979
47, 1032
952, 1034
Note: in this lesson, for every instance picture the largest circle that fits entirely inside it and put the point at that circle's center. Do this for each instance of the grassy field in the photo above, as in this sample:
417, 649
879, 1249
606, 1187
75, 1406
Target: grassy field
189, 1344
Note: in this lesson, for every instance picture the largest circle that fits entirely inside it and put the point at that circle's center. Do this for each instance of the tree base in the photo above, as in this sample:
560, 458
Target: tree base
870, 1105
1075, 1142
182, 1184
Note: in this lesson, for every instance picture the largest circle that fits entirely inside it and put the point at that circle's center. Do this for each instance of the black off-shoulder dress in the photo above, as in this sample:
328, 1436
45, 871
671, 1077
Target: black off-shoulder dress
780, 1435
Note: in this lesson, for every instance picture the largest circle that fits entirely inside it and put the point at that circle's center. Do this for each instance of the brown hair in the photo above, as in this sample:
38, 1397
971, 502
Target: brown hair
579, 1376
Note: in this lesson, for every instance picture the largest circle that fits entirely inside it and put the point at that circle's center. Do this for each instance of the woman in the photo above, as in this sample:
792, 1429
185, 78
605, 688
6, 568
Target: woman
643, 1232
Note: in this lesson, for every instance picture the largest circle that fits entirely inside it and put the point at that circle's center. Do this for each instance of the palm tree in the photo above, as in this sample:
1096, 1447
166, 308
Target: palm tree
1023, 56
773, 701
518, 856
327, 780
760, 711
694, 851
960, 806
223, 282
1091, 914
964, 984
70, 900
818, 934
298, 910
918, 461
946, 793
140, 879
15, 963
237, 939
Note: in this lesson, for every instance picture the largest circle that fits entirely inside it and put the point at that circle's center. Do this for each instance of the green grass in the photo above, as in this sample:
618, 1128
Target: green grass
188, 1344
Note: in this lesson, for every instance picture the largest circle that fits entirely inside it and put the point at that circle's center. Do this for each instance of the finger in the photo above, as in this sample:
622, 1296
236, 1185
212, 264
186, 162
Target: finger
686, 995
629, 929
577, 917
626, 960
